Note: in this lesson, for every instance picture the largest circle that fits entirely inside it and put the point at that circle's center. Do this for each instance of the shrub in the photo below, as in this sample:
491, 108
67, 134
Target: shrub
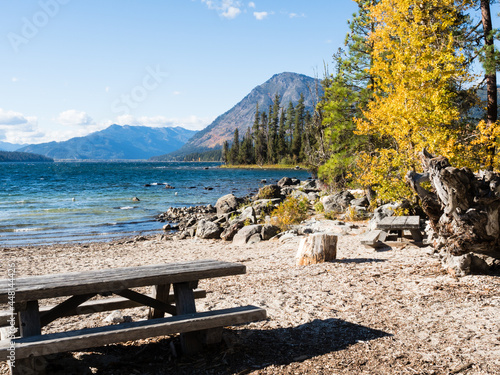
318, 207
291, 211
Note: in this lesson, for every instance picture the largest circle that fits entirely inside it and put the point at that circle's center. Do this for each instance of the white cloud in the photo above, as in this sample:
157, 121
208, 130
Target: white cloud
9, 118
16, 127
296, 15
72, 117
251, 4
14, 79
231, 12
226, 8
260, 15
176, 93
106, 89
191, 122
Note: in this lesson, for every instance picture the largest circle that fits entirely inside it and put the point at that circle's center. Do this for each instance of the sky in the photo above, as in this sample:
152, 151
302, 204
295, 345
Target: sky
72, 67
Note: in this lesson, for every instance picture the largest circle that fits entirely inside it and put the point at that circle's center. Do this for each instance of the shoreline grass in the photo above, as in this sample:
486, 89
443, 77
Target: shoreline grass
264, 166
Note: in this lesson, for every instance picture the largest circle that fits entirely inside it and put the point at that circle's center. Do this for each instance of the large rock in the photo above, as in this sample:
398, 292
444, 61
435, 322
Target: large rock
244, 234
229, 233
248, 214
207, 230
285, 181
266, 205
269, 231
269, 192
317, 248
227, 203
338, 202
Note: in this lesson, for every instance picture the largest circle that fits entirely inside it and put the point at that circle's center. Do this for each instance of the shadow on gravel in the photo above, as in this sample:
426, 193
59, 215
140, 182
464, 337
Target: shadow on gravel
242, 351
360, 260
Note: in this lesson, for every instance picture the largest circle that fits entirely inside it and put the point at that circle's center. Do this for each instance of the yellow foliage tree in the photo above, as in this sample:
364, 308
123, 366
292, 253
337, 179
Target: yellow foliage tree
415, 62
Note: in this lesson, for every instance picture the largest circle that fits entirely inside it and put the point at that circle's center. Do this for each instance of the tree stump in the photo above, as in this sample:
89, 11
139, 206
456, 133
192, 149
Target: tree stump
463, 210
317, 248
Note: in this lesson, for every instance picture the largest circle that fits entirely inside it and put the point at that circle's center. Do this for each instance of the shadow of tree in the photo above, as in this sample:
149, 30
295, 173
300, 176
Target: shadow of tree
241, 350
360, 260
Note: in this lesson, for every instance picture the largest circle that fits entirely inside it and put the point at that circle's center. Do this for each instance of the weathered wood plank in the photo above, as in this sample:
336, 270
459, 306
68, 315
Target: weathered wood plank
29, 319
98, 336
399, 223
161, 293
95, 306
146, 300
61, 309
191, 342
105, 280
371, 237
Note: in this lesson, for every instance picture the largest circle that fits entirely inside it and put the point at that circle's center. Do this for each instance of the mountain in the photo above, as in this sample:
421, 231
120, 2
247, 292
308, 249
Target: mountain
13, 156
288, 85
5, 146
116, 142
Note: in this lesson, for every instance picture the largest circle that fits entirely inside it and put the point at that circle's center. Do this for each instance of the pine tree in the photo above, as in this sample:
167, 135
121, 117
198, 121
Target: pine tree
299, 117
235, 147
225, 152
282, 149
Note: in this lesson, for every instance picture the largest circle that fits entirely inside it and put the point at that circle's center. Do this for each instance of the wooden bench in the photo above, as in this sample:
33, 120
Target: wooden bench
83, 286
374, 238
400, 224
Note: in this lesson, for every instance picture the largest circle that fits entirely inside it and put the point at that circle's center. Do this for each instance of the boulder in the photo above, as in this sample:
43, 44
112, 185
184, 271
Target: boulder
226, 204
244, 234
247, 214
338, 202
269, 231
207, 230
269, 192
360, 202
229, 233
317, 248
285, 181
254, 238
266, 205
297, 194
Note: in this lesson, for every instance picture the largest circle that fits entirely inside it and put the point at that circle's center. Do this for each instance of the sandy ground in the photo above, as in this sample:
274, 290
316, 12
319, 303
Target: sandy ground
393, 311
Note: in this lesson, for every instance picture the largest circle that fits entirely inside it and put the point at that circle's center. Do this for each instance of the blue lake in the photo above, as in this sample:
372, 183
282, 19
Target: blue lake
43, 203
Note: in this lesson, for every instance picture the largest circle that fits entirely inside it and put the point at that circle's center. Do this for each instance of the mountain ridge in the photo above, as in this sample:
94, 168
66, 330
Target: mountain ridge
122, 142
288, 85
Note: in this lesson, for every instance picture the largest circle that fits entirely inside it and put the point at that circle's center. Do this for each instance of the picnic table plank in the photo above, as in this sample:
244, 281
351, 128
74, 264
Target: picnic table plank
98, 336
108, 280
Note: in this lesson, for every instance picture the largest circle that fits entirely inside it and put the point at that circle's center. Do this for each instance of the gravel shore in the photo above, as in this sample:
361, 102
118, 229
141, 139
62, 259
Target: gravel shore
391, 311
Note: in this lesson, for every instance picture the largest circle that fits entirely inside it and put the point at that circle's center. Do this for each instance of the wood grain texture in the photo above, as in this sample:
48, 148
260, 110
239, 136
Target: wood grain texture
105, 280
95, 306
95, 337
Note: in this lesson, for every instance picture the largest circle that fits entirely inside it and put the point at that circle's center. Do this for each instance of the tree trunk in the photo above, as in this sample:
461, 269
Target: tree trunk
463, 207
490, 74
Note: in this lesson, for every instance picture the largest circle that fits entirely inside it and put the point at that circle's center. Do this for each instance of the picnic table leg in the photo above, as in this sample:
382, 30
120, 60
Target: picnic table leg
184, 304
161, 293
417, 235
29, 325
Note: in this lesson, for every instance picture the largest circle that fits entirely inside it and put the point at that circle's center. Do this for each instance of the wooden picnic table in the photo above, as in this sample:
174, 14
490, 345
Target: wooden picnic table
401, 223
82, 286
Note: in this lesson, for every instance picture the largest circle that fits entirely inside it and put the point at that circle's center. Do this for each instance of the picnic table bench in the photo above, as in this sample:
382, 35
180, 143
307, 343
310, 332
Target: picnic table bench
82, 286
398, 224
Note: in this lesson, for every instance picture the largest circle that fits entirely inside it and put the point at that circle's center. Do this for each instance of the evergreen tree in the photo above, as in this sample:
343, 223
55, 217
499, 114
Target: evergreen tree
299, 117
225, 152
282, 149
235, 147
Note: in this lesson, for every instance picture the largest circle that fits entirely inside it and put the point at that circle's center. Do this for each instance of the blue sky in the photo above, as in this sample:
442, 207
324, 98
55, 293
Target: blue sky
71, 67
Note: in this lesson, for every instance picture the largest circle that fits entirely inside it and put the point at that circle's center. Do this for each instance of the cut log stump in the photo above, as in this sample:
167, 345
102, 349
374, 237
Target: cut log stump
317, 248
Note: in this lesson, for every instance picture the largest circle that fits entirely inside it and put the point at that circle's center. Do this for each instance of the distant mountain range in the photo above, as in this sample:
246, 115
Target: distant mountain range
288, 85
116, 142
5, 146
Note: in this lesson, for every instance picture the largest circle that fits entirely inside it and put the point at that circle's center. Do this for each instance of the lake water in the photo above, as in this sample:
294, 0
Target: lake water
42, 203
